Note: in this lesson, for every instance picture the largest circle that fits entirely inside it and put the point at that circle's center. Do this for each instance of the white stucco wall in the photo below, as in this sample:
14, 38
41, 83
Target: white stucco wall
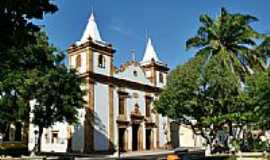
115, 113
77, 143
78, 133
101, 122
61, 144
188, 138
46, 144
163, 128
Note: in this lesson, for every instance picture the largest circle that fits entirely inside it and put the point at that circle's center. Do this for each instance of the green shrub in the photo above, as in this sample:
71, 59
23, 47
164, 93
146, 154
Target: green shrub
13, 149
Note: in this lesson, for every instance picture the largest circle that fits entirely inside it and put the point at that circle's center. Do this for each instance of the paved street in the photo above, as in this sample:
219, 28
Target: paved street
194, 153
151, 155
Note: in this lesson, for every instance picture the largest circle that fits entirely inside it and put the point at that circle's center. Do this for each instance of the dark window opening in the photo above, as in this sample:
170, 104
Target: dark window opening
78, 61
121, 105
101, 61
161, 78
135, 73
55, 137
148, 101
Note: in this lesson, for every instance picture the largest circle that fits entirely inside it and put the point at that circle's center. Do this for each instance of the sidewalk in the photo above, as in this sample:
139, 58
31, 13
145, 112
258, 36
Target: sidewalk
154, 154
195, 153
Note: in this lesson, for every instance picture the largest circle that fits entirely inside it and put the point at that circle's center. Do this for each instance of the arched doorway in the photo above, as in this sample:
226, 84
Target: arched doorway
137, 131
135, 137
148, 138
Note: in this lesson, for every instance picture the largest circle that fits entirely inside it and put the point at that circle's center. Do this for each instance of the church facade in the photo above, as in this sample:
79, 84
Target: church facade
119, 113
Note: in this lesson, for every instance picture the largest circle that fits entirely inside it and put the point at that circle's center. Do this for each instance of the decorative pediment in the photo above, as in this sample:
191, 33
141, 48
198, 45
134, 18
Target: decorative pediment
132, 71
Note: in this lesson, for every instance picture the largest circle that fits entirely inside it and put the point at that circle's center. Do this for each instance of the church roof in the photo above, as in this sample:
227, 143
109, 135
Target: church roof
150, 54
91, 30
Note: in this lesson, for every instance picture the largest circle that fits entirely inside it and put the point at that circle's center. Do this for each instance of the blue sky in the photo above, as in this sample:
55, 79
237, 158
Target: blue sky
124, 23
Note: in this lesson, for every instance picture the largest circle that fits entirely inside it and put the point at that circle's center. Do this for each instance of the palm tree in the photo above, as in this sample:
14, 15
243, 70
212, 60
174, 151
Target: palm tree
231, 39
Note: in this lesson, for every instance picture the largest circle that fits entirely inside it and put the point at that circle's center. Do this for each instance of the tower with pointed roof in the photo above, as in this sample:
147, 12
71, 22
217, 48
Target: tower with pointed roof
91, 30
92, 57
91, 53
156, 70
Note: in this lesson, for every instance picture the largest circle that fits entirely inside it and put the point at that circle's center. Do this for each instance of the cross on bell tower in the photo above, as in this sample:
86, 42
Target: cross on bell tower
133, 55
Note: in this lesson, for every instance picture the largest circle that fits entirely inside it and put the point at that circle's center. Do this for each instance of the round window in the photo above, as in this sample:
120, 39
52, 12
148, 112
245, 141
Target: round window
135, 73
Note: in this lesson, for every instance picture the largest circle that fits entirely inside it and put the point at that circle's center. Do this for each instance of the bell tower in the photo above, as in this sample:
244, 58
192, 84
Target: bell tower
91, 57
91, 53
156, 71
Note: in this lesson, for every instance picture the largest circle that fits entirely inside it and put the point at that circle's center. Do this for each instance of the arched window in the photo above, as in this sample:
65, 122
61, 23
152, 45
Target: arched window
78, 61
101, 61
148, 101
161, 78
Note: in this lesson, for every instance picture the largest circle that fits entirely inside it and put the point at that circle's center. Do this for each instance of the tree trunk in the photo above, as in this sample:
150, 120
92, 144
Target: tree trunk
40, 132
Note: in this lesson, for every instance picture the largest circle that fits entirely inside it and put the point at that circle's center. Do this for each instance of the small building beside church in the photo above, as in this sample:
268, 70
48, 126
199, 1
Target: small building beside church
119, 113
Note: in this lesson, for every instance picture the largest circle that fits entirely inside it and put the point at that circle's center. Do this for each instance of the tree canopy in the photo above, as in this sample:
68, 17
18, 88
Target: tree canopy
208, 92
17, 28
231, 37
17, 34
32, 70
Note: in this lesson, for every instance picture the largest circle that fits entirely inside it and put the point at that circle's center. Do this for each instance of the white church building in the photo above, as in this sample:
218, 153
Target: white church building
119, 113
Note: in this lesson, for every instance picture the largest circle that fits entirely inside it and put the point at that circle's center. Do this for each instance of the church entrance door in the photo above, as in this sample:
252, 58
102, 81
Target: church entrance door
121, 138
148, 136
135, 138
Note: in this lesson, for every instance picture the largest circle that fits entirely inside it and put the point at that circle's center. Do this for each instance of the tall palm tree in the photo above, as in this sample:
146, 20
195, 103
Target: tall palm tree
231, 39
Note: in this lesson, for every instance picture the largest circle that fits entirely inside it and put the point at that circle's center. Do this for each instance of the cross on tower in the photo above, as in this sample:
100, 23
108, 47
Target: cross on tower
133, 55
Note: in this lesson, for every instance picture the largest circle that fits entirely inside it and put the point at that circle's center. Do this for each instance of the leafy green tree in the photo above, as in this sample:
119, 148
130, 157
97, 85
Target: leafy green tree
13, 107
31, 70
208, 101
17, 33
55, 89
57, 98
17, 28
16, 82
232, 37
258, 89
230, 40
207, 92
